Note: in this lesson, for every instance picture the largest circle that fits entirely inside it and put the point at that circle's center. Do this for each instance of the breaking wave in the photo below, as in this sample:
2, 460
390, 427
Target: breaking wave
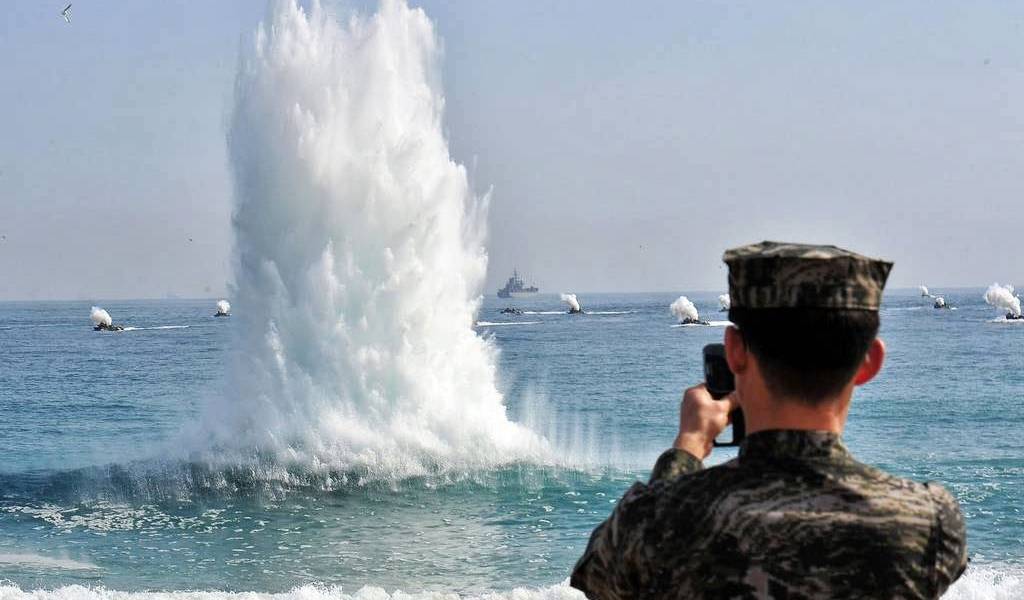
979, 583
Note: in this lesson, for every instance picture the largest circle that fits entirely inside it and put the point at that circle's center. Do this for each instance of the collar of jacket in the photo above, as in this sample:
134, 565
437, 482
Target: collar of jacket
794, 444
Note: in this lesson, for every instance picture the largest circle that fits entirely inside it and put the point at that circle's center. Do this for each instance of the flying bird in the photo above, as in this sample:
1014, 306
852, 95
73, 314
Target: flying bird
66, 13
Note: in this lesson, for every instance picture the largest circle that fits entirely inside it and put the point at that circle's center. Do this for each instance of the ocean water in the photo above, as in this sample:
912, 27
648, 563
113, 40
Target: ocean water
97, 488
349, 432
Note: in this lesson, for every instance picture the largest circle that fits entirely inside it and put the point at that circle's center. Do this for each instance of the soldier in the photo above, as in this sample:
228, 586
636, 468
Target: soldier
794, 515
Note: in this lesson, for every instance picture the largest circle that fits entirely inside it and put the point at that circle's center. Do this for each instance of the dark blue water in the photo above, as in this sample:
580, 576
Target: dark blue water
88, 495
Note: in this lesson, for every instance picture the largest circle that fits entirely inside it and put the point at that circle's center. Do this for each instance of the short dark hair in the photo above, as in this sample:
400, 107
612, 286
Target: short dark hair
808, 354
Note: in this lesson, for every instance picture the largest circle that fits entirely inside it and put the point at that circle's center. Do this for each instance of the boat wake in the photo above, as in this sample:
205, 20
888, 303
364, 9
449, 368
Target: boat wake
586, 312
710, 324
501, 323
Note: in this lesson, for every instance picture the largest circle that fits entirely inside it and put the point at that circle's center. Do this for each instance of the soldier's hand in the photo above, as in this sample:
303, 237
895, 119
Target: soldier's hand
702, 419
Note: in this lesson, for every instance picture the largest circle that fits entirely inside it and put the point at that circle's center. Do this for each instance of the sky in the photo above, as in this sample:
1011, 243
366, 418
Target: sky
627, 145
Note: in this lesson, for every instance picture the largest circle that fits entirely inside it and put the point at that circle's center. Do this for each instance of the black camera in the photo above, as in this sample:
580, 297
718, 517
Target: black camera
720, 383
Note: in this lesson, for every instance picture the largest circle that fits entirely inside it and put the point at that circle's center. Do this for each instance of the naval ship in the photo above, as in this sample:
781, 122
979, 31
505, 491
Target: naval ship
514, 287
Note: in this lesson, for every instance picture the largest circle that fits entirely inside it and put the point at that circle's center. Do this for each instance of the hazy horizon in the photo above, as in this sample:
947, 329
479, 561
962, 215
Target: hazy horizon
902, 291
626, 149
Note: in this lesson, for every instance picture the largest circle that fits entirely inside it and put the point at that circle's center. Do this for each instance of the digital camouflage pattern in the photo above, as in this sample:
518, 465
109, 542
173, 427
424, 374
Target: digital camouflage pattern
783, 275
793, 516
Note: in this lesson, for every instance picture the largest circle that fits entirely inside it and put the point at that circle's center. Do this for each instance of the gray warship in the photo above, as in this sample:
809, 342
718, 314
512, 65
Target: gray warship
514, 287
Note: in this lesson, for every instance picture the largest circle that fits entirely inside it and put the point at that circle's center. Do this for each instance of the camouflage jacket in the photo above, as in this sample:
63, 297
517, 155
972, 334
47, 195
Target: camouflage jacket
793, 516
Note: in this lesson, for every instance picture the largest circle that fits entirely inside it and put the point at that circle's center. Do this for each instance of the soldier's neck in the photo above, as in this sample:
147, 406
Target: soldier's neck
763, 410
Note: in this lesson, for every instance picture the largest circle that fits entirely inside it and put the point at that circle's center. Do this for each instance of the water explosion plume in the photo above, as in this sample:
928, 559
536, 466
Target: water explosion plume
572, 301
924, 291
359, 259
683, 309
724, 302
223, 307
1002, 296
100, 317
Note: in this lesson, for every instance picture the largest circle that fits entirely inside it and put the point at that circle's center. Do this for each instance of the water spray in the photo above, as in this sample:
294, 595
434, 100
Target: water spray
573, 302
360, 258
686, 312
101, 320
724, 302
1003, 298
100, 317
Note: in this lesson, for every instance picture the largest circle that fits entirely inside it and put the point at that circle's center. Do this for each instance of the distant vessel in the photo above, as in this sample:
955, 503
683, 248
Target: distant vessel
514, 287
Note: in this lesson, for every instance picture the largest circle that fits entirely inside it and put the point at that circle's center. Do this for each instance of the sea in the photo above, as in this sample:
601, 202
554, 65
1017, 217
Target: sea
96, 499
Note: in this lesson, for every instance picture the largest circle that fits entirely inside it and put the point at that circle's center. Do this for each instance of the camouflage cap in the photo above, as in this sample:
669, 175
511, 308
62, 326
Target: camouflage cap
783, 275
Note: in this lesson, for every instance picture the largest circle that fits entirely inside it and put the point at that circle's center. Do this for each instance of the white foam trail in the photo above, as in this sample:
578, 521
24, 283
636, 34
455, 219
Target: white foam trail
1002, 297
682, 308
359, 259
572, 301
710, 324
100, 317
500, 323
223, 307
724, 302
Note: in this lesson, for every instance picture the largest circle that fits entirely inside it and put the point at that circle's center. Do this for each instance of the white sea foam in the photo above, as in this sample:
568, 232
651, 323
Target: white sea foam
157, 328
307, 592
100, 316
979, 583
988, 583
359, 259
543, 312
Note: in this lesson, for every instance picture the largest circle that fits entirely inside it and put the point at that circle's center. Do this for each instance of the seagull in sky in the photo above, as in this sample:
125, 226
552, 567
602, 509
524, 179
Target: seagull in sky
66, 13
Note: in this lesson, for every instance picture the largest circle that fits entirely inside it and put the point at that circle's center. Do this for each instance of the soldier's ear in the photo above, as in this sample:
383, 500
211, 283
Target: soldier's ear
872, 363
736, 353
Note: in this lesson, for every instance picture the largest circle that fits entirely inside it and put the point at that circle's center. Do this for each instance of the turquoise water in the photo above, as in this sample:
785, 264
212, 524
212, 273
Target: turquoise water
89, 496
